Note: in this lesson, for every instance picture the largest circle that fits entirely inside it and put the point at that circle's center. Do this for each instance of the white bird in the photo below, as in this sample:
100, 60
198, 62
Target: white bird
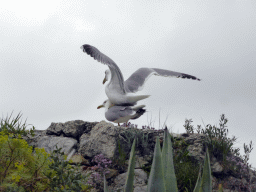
121, 92
121, 114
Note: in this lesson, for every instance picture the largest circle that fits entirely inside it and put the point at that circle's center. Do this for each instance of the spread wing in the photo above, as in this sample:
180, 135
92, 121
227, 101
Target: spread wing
137, 80
97, 55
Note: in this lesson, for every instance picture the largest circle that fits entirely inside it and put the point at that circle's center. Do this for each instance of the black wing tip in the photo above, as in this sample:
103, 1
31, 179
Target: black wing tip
88, 48
186, 76
85, 46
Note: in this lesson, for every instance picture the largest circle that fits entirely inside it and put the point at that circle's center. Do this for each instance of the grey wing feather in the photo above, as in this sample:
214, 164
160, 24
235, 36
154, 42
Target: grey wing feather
137, 80
97, 55
116, 112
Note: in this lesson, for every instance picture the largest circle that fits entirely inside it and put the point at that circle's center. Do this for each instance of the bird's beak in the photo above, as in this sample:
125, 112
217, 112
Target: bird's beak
100, 106
104, 80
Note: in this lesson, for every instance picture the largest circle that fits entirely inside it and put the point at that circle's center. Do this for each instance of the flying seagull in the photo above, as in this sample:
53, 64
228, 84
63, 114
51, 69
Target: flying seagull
121, 92
121, 114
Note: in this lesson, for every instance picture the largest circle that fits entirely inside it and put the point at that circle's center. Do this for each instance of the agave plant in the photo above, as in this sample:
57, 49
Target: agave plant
162, 175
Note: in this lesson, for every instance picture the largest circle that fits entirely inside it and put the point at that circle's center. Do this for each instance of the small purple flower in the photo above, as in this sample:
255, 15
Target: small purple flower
100, 169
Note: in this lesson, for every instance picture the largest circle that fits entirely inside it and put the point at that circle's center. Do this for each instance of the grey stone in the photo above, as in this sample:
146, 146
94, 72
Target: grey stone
70, 128
32, 140
49, 143
112, 173
217, 168
77, 159
101, 139
139, 162
140, 188
140, 178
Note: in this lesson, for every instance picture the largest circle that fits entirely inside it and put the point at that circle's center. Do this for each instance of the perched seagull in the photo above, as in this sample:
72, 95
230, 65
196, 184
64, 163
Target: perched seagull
121, 92
121, 114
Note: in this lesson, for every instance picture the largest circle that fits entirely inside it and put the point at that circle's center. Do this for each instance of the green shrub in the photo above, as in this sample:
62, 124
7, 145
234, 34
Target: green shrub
19, 167
219, 145
64, 177
26, 169
185, 169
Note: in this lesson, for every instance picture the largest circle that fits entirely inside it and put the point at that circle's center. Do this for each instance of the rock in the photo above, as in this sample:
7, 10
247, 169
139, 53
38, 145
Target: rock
196, 152
217, 168
101, 139
140, 178
140, 188
72, 152
139, 162
32, 140
77, 158
70, 129
112, 173
55, 129
49, 143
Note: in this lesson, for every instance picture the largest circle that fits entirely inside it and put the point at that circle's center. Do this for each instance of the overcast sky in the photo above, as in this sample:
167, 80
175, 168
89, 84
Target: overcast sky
45, 75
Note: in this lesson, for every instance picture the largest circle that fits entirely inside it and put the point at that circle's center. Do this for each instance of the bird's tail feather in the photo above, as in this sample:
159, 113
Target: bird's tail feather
138, 107
134, 99
139, 112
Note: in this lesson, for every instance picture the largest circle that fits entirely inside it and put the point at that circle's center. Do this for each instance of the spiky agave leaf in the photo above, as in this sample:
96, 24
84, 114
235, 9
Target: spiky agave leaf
156, 177
206, 182
105, 185
198, 182
168, 166
130, 172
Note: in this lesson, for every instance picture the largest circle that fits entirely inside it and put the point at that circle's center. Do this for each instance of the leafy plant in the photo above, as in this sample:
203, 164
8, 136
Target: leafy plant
130, 172
20, 168
186, 170
168, 165
62, 176
222, 147
15, 126
219, 145
142, 139
188, 127
156, 179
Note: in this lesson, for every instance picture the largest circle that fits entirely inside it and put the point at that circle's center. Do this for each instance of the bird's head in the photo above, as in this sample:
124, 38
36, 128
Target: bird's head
107, 76
107, 104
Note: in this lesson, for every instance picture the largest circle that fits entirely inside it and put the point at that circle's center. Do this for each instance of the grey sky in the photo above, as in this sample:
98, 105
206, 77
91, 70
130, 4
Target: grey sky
45, 74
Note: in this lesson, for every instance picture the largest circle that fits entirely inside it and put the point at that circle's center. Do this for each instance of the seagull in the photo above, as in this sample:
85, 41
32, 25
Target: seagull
121, 114
121, 92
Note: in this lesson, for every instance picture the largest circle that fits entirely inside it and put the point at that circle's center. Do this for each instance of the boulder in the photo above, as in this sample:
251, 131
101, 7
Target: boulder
140, 179
49, 143
70, 129
101, 139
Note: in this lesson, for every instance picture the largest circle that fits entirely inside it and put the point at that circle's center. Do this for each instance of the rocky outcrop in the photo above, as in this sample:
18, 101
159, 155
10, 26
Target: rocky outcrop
101, 139
81, 141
